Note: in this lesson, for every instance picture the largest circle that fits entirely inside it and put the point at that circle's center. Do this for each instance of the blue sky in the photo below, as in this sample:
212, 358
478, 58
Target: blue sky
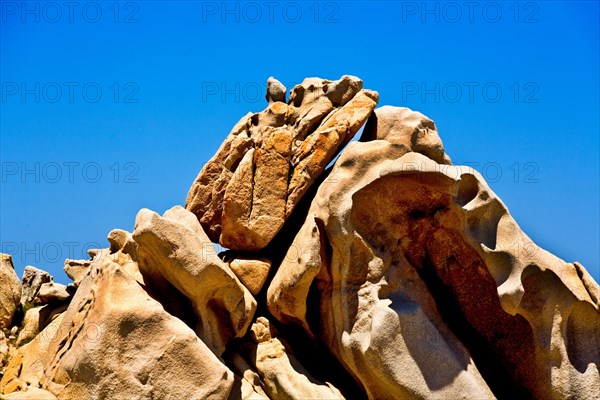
110, 107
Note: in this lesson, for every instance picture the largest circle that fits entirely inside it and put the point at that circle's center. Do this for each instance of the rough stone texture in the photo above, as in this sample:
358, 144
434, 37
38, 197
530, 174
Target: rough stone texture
118, 239
26, 368
275, 91
122, 249
76, 269
33, 279
338, 127
3, 344
52, 292
244, 390
405, 278
245, 193
175, 248
35, 320
405, 265
255, 199
115, 341
4, 351
30, 394
10, 291
252, 272
403, 126
279, 373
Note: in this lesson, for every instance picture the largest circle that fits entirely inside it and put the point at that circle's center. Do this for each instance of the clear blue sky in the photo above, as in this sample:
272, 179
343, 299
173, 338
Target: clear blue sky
107, 109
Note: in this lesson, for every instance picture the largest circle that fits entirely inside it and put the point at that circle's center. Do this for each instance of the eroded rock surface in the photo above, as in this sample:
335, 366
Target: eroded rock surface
115, 341
408, 128
245, 193
52, 292
275, 91
175, 248
33, 279
396, 276
10, 291
251, 271
76, 269
413, 268
35, 321
277, 373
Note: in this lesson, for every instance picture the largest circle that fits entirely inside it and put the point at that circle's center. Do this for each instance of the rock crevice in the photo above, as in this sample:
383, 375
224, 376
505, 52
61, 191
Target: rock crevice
391, 273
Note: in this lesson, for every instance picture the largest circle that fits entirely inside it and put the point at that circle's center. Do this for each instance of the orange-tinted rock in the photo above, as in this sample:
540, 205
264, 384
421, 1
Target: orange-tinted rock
246, 192
10, 291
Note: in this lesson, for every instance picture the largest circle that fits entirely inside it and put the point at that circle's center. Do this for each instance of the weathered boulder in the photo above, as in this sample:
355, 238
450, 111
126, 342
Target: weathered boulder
419, 264
10, 291
405, 127
118, 239
26, 368
76, 269
275, 91
33, 279
270, 369
118, 342
392, 274
245, 193
175, 248
121, 251
52, 292
35, 321
251, 271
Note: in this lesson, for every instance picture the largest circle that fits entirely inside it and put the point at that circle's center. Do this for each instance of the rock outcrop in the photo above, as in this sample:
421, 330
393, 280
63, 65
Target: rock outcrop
392, 274
33, 279
415, 264
407, 128
281, 374
52, 292
275, 91
174, 248
10, 291
245, 193
251, 271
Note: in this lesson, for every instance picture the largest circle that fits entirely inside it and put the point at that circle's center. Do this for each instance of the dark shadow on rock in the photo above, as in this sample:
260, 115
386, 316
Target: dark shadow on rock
545, 295
311, 353
407, 225
439, 360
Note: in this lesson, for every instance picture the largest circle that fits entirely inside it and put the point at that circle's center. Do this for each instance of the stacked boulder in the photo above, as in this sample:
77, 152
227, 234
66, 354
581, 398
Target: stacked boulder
386, 272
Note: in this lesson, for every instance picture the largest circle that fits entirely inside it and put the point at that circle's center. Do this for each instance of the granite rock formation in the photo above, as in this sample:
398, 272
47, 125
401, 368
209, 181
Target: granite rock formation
387, 273
246, 192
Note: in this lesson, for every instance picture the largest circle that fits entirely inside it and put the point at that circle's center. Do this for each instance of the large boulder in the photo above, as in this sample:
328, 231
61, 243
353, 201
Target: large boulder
424, 286
252, 271
174, 249
35, 321
10, 291
52, 292
408, 128
275, 91
33, 279
392, 274
245, 193
115, 341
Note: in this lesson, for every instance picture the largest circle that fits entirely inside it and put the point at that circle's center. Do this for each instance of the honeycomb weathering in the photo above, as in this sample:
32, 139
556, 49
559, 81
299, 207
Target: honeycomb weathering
391, 274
